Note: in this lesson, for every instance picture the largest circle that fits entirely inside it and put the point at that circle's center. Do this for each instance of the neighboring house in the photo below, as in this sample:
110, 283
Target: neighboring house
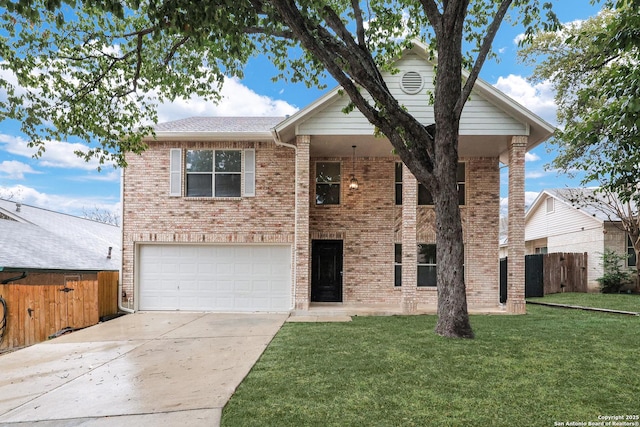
556, 224
52, 248
257, 214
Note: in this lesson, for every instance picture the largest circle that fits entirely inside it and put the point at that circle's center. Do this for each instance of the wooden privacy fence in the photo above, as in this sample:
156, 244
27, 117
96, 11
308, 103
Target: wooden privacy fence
549, 274
107, 293
36, 312
565, 272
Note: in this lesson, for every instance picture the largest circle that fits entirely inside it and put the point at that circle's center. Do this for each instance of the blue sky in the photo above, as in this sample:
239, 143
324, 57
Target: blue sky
62, 182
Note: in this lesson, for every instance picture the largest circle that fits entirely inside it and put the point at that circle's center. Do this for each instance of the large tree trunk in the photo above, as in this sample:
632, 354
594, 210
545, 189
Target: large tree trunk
453, 318
433, 161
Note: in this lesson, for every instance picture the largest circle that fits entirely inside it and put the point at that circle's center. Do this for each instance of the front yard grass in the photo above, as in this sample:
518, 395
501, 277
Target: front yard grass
624, 302
549, 366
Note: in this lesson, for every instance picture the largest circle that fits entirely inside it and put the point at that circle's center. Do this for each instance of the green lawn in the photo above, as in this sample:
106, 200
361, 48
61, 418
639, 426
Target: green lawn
624, 302
547, 366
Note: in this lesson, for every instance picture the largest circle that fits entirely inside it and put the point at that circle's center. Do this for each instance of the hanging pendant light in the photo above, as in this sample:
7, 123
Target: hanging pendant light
353, 182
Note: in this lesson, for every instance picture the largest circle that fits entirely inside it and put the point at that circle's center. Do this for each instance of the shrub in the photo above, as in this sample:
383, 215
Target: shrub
615, 277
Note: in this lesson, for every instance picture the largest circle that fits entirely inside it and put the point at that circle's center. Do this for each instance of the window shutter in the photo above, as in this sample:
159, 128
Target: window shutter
250, 173
175, 167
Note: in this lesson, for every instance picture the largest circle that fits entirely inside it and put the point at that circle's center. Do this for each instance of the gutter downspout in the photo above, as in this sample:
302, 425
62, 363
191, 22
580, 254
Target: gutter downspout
14, 279
278, 141
120, 307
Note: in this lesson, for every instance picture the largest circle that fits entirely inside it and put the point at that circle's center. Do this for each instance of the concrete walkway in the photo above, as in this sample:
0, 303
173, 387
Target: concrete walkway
143, 369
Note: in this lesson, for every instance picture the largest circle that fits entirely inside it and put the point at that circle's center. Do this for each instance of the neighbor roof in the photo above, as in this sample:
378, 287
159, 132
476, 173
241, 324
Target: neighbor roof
36, 238
567, 196
539, 129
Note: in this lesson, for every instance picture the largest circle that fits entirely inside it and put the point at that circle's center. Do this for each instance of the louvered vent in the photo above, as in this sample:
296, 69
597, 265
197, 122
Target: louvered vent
411, 82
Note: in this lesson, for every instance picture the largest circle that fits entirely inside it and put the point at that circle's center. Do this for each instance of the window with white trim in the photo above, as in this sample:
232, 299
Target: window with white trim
551, 205
213, 173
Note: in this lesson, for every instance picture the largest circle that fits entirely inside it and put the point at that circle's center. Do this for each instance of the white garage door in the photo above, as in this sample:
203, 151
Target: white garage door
215, 277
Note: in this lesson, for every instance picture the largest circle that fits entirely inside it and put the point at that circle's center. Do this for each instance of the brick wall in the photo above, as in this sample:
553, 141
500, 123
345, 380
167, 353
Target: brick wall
151, 215
367, 220
370, 224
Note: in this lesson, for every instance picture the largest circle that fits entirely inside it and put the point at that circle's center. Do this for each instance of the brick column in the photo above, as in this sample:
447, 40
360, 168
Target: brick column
515, 264
409, 241
302, 261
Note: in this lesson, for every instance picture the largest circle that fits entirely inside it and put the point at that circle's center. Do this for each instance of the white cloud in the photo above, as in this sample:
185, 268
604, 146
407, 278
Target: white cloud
237, 100
57, 154
531, 157
539, 98
105, 175
517, 39
529, 198
58, 202
571, 24
13, 169
535, 174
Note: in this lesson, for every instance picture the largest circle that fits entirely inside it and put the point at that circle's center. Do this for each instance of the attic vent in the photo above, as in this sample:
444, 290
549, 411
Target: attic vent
411, 82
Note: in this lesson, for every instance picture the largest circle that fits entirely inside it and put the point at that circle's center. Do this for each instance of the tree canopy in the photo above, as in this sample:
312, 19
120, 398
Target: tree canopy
593, 66
96, 69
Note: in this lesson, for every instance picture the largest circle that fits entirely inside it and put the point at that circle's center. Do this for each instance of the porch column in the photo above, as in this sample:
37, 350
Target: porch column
302, 285
515, 264
409, 241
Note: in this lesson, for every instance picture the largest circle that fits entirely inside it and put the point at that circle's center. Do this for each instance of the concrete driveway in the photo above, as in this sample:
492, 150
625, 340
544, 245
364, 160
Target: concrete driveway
143, 369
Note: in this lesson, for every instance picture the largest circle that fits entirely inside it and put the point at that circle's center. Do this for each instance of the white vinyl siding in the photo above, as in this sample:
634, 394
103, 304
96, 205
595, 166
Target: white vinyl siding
479, 116
564, 219
175, 174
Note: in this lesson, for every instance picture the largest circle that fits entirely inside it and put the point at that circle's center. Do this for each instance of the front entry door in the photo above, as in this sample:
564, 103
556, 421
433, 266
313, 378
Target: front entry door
326, 271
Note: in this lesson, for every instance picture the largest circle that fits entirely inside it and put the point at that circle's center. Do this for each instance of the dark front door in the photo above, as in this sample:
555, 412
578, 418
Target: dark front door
326, 271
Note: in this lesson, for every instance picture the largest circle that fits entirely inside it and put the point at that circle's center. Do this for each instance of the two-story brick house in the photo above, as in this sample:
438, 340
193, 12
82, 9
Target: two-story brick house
259, 214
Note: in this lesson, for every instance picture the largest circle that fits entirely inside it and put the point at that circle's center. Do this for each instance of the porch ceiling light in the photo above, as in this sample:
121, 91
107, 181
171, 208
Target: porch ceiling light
353, 182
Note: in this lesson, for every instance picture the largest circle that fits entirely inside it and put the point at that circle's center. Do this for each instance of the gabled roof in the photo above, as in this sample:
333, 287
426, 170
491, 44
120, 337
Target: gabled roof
538, 129
36, 238
567, 195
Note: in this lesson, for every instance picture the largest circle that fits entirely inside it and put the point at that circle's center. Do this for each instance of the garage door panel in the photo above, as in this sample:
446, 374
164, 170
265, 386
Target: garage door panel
215, 277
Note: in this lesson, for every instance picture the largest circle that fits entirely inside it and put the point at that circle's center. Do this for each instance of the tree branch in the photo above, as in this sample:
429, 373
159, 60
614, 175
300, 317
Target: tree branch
174, 48
482, 55
433, 14
357, 12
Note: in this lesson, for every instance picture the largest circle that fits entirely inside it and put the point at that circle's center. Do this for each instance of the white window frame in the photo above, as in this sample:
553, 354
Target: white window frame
178, 172
550, 205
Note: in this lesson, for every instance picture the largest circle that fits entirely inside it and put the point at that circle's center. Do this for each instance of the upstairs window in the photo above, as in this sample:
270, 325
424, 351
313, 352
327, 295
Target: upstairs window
328, 183
398, 183
424, 195
214, 173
